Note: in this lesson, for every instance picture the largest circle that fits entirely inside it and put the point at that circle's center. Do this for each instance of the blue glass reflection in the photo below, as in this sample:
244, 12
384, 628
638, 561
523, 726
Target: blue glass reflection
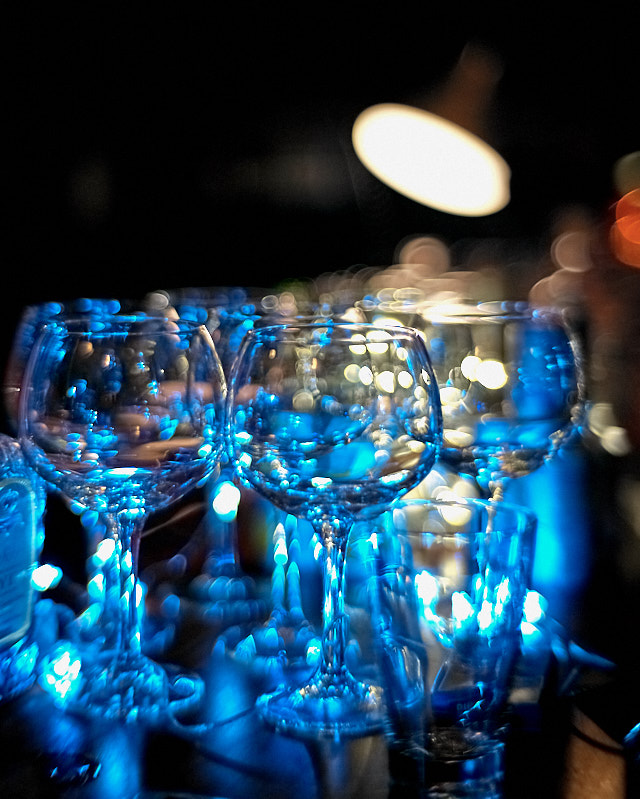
556, 493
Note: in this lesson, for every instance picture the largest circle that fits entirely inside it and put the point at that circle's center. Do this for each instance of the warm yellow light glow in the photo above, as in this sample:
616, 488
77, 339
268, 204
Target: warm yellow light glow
385, 381
358, 349
352, 372
469, 367
492, 374
431, 160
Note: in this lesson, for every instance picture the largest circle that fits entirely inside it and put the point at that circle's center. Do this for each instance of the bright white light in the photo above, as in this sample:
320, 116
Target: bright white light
485, 615
105, 550
427, 587
122, 471
352, 372
378, 347
405, 379
431, 160
469, 367
385, 381
458, 438
534, 607
45, 577
455, 515
358, 349
491, 374
461, 607
450, 395
226, 501
366, 376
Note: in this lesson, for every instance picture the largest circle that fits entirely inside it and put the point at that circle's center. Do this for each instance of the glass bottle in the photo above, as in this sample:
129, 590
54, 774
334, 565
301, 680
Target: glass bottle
22, 503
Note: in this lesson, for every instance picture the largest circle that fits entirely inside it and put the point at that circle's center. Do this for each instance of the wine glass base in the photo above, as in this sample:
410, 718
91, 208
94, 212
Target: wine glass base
324, 709
464, 764
125, 688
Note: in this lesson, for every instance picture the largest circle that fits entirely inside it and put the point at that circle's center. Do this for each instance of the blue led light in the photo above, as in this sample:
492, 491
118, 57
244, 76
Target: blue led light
45, 577
61, 673
226, 501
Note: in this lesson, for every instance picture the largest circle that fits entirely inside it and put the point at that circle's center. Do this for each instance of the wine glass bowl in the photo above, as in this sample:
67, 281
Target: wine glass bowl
122, 415
510, 387
332, 422
353, 443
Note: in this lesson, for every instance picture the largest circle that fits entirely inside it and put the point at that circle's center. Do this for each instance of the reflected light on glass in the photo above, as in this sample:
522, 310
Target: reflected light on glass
570, 251
491, 374
462, 609
427, 587
45, 577
226, 501
280, 552
602, 423
431, 160
535, 607
61, 674
104, 551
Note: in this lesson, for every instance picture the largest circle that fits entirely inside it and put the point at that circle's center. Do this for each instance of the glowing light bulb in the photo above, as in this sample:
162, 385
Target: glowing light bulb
431, 160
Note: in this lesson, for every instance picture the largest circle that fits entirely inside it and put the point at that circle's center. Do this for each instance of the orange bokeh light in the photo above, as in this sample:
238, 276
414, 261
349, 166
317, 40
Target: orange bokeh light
625, 233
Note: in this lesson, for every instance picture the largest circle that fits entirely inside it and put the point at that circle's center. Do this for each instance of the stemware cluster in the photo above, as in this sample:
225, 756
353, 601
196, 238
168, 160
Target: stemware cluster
332, 423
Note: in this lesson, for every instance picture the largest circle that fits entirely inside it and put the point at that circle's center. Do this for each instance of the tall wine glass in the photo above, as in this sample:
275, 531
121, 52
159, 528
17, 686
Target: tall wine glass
122, 416
332, 422
511, 387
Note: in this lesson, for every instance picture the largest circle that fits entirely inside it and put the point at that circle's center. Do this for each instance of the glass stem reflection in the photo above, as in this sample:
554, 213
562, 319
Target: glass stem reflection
334, 536
120, 620
497, 489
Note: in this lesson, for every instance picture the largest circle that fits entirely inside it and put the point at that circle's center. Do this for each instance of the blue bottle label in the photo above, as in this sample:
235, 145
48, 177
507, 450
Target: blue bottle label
17, 558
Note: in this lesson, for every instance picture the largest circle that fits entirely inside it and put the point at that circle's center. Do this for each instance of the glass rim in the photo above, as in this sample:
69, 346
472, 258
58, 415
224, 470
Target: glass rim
487, 312
263, 330
461, 502
110, 320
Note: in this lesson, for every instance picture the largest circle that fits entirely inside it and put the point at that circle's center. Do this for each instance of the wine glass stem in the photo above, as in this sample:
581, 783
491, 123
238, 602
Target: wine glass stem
223, 556
334, 622
120, 619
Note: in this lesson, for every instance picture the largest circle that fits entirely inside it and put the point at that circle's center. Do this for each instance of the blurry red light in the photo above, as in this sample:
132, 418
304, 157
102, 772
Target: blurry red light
625, 234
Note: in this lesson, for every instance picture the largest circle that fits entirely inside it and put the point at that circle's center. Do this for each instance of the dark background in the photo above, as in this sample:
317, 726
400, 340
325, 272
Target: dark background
152, 149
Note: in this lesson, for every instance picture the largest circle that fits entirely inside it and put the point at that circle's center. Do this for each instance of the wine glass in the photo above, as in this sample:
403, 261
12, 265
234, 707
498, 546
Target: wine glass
511, 387
332, 422
448, 603
121, 414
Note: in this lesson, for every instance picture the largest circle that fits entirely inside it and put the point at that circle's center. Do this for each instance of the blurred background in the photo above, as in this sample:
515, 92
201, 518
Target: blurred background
152, 148
155, 149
